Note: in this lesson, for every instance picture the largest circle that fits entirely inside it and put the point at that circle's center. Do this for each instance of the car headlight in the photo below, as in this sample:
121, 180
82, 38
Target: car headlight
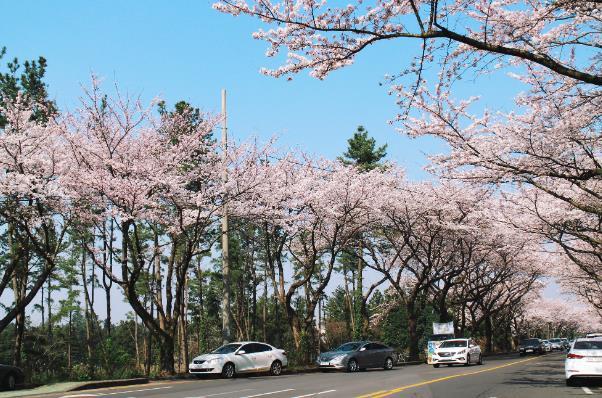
461, 352
338, 359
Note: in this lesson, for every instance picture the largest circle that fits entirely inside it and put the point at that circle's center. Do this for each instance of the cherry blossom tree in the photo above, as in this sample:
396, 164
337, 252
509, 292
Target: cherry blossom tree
36, 206
323, 36
310, 210
556, 317
157, 179
547, 149
422, 233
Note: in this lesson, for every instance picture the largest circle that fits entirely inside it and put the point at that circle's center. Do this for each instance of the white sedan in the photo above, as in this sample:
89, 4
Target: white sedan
584, 360
457, 351
242, 357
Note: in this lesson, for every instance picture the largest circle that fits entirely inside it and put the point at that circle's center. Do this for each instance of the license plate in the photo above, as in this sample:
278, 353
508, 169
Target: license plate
529, 350
594, 359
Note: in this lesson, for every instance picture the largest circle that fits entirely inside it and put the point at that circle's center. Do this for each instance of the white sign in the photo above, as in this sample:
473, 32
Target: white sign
443, 328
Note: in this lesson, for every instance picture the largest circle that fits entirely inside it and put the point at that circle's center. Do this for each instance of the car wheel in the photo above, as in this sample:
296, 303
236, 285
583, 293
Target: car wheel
10, 382
436, 365
467, 360
352, 366
570, 382
480, 359
388, 364
276, 368
228, 371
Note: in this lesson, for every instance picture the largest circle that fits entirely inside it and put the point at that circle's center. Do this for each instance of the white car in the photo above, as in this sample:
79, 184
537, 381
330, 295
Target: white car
593, 335
584, 360
240, 357
457, 351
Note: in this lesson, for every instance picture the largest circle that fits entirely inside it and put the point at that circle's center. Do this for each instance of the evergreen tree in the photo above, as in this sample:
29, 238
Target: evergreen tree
362, 151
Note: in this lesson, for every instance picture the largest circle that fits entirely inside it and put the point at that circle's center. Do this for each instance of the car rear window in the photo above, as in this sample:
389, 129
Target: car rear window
588, 345
529, 342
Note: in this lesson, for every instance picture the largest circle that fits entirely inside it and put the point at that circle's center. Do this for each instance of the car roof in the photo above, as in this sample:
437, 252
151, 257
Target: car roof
249, 342
589, 338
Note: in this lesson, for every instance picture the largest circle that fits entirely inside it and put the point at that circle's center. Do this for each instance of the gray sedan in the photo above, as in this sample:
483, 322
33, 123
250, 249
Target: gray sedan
357, 355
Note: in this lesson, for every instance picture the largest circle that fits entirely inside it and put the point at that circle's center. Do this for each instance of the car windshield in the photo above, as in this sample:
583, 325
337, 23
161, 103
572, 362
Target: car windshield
453, 344
588, 345
349, 347
529, 342
226, 349
554, 340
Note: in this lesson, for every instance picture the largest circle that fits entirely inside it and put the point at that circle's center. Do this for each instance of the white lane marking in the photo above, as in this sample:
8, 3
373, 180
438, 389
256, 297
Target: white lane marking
131, 391
79, 396
223, 393
314, 394
587, 390
269, 393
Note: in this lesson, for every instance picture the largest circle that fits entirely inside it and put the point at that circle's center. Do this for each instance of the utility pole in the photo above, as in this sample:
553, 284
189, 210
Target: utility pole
226, 317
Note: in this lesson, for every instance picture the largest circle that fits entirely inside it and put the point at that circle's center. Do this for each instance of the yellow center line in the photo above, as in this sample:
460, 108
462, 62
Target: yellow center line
372, 394
381, 394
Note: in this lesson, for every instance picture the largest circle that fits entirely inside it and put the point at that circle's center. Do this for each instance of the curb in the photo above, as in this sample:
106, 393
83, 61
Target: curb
109, 383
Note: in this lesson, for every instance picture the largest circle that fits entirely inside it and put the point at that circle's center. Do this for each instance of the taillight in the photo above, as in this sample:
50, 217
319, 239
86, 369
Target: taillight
574, 356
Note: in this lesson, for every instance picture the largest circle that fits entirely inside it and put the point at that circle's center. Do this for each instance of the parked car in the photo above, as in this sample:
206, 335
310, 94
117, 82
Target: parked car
546, 345
531, 346
10, 377
566, 344
240, 357
590, 335
557, 344
458, 351
357, 355
584, 360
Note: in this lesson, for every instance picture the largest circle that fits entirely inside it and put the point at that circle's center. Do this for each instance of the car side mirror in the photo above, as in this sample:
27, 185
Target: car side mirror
241, 352
363, 349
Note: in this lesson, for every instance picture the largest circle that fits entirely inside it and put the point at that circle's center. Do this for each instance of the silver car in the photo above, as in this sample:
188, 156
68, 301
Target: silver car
357, 355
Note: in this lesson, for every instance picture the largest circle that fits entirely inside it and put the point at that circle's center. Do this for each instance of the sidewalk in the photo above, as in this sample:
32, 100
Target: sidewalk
71, 386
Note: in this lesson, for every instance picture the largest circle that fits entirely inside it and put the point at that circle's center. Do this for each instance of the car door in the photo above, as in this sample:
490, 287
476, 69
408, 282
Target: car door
381, 355
264, 357
362, 356
372, 355
244, 360
474, 351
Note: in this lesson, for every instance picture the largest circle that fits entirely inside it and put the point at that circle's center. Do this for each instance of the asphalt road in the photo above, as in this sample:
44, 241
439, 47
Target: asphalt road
507, 377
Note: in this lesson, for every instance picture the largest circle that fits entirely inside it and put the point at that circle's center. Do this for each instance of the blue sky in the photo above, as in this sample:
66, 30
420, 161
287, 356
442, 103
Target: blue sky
186, 50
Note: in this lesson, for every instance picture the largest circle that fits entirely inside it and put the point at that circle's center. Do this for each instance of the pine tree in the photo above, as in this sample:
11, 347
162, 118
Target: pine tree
362, 151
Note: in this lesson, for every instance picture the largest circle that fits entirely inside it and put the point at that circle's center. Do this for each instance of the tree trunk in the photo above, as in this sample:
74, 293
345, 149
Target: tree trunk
413, 336
488, 335
148, 343
18, 288
265, 305
136, 345
349, 318
166, 355
49, 305
69, 333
